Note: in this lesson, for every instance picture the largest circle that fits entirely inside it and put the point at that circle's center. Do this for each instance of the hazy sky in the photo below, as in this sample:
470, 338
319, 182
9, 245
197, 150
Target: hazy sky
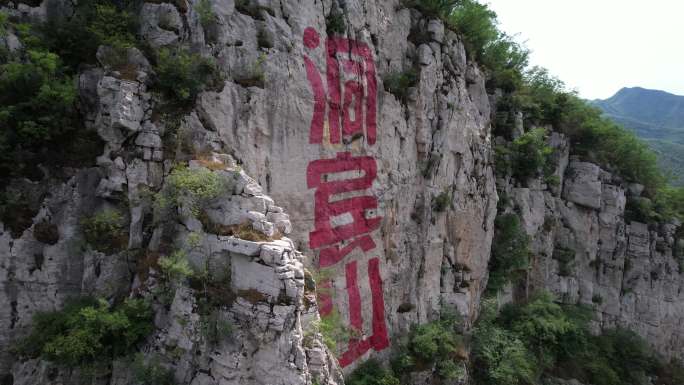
600, 46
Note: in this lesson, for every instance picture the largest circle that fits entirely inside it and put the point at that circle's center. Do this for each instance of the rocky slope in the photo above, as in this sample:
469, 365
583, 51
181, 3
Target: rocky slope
391, 198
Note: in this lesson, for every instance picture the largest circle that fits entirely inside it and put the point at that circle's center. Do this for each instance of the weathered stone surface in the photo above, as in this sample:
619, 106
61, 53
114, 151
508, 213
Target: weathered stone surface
583, 185
626, 272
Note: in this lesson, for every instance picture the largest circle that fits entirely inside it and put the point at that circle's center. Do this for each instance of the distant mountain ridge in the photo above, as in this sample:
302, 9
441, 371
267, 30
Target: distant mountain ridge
655, 116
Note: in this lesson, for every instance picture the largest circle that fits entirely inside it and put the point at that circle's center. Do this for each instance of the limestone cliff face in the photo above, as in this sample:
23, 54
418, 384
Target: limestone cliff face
389, 201
586, 252
393, 198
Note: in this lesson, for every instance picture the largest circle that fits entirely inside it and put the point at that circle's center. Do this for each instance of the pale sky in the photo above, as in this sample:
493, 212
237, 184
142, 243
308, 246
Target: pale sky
600, 46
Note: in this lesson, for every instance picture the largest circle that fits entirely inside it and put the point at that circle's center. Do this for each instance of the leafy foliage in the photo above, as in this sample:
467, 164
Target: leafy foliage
398, 83
88, 332
182, 75
205, 13
214, 326
435, 344
105, 231
334, 23
526, 156
543, 325
38, 108
150, 371
434, 8
510, 252
521, 343
442, 201
175, 267
372, 373
333, 330
193, 187
501, 358
94, 23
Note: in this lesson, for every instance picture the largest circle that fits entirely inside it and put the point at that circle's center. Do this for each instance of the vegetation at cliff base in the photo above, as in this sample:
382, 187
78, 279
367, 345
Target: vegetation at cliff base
87, 332
372, 373
523, 343
435, 345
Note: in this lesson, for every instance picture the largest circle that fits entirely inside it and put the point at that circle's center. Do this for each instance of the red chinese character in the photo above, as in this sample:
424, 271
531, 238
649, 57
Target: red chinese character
379, 340
351, 82
325, 208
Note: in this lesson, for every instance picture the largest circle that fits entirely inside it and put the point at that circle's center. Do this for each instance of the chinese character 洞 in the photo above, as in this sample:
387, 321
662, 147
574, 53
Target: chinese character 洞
351, 98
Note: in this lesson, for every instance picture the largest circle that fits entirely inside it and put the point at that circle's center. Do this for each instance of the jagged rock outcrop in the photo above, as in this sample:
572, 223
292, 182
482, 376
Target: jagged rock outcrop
586, 251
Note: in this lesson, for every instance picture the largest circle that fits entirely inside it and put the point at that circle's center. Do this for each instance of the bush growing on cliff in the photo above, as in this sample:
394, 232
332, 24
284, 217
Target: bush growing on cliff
88, 332
371, 373
38, 113
510, 252
434, 8
192, 187
524, 342
175, 267
182, 75
93, 23
150, 371
105, 231
399, 83
434, 344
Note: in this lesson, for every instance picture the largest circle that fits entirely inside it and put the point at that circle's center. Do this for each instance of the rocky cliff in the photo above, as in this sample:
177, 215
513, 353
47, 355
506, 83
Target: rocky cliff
392, 197
386, 199
588, 251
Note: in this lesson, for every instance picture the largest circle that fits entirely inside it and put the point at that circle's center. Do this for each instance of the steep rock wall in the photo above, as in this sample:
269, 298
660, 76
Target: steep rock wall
399, 189
586, 252
433, 143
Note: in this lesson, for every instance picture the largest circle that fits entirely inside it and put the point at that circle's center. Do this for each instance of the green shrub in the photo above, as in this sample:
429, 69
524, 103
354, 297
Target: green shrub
441, 202
476, 24
433, 8
333, 330
112, 27
194, 187
256, 75
205, 13
3, 24
88, 332
182, 75
105, 231
530, 154
371, 373
543, 325
93, 23
175, 267
500, 358
435, 344
214, 327
398, 83
38, 111
335, 24
565, 258
150, 371
510, 252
